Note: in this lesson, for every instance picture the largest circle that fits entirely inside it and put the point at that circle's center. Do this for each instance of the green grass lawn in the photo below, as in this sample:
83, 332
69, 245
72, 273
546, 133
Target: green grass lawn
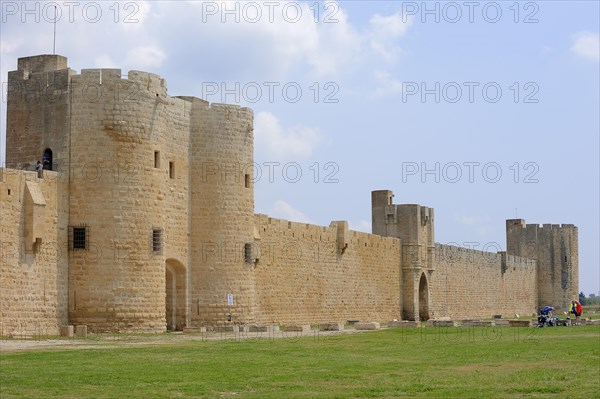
473, 362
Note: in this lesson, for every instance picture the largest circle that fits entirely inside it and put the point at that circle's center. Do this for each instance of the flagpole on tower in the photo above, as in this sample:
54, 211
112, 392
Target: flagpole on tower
54, 39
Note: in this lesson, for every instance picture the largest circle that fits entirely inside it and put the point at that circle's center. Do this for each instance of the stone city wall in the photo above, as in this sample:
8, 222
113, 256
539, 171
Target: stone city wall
476, 284
308, 273
33, 256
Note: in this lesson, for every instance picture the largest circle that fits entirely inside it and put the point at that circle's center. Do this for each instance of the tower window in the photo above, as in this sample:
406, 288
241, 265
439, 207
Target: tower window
172, 170
157, 159
157, 241
247, 180
78, 237
248, 252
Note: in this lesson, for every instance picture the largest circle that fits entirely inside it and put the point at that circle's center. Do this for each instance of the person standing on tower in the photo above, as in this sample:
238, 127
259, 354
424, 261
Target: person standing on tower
39, 167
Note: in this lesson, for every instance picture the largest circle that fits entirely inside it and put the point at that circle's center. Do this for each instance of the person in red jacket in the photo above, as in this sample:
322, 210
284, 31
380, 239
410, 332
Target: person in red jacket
579, 311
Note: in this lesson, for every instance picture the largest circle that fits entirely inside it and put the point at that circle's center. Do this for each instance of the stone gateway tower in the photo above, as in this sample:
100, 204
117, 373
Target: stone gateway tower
143, 220
413, 225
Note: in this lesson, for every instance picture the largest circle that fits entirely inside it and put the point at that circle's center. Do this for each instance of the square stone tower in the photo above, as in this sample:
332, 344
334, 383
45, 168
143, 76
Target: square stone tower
555, 247
413, 225
38, 114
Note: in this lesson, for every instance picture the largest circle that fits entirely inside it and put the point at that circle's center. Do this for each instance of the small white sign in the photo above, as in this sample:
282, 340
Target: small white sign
229, 299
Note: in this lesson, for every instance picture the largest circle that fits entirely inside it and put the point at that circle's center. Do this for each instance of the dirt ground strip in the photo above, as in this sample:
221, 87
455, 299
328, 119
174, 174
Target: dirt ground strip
112, 340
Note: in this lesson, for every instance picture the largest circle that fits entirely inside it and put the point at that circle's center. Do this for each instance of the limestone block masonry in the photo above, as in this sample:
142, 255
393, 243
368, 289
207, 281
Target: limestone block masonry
143, 220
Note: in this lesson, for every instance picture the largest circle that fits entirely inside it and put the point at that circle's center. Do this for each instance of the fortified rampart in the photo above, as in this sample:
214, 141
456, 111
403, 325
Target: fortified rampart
308, 273
475, 284
33, 258
149, 207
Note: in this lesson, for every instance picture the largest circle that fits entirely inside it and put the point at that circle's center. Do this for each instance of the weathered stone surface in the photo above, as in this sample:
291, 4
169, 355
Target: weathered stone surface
81, 331
229, 328
296, 328
441, 323
477, 323
403, 324
66, 331
194, 330
331, 326
255, 328
519, 323
373, 325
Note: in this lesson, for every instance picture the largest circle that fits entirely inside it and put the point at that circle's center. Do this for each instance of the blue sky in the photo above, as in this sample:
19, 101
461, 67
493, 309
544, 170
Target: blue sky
481, 110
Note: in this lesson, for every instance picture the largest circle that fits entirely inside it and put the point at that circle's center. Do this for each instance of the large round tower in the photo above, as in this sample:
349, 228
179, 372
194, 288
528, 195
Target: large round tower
129, 219
222, 214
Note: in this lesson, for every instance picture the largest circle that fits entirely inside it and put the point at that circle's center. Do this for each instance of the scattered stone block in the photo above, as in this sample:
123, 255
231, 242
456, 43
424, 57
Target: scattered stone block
502, 323
66, 331
367, 326
81, 331
442, 323
477, 323
192, 330
296, 327
255, 328
331, 326
403, 324
519, 323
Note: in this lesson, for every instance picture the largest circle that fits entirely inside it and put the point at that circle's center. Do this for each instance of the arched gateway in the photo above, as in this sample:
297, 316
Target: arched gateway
175, 295
423, 298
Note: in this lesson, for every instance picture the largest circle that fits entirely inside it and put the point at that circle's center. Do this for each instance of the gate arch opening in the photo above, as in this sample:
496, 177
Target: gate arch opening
423, 298
175, 295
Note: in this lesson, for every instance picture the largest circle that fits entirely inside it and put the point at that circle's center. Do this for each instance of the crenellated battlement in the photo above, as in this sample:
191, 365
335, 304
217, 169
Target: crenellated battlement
42, 63
515, 223
555, 248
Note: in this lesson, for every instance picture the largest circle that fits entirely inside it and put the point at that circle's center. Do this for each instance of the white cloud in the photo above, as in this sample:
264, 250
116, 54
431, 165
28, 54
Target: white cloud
386, 84
279, 46
145, 57
587, 45
384, 32
293, 142
9, 45
283, 210
133, 15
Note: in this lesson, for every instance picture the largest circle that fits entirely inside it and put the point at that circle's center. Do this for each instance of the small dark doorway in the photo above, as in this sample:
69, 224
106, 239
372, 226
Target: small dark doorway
175, 295
47, 162
423, 298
